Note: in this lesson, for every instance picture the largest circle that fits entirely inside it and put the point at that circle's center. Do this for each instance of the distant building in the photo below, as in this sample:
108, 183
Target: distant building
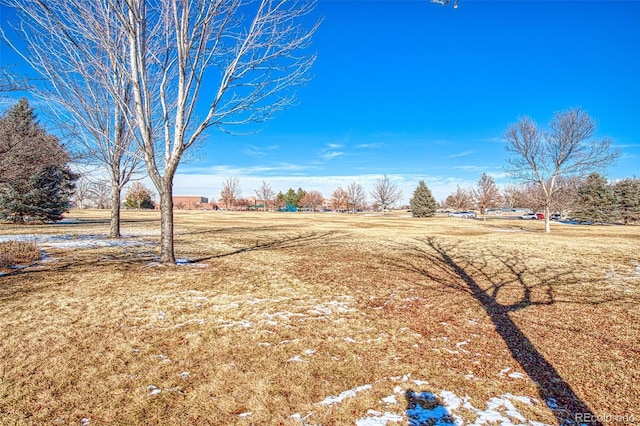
182, 202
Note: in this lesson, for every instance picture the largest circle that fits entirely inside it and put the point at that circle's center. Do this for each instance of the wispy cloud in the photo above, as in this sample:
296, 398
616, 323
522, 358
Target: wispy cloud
470, 168
331, 151
462, 154
330, 155
370, 145
256, 151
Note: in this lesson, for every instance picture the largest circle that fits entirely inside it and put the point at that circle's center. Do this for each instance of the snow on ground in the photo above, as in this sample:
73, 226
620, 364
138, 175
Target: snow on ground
376, 418
74, 241
442, 409
446, 408
330, 400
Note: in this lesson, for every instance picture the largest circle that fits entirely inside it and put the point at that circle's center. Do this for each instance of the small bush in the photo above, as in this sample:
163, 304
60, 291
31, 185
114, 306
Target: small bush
18, 253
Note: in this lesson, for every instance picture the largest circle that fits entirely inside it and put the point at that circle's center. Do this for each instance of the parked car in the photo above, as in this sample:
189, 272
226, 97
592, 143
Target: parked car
556, 216
463, 214
529, 216
540, 216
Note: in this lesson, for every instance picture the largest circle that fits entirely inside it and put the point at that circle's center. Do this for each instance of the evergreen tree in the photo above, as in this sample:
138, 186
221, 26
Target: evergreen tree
595, 200
35, 181
627, 192
422, 203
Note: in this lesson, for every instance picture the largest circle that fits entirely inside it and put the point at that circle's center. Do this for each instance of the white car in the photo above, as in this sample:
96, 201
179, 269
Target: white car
463, 214
528, 216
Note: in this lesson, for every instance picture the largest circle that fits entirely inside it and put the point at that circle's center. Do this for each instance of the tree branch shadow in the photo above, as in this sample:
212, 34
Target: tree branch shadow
473, 275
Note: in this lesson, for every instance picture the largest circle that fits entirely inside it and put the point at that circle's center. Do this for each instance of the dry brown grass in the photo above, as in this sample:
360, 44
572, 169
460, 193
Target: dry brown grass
17, 253
281, 311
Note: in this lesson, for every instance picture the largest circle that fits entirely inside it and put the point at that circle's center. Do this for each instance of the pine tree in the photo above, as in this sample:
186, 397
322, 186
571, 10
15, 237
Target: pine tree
35, 181
422, 203
596, 201
627, 192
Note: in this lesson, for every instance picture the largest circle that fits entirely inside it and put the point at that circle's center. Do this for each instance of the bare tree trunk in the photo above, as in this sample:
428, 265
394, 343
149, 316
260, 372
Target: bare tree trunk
114, 227
167, 255
547, 219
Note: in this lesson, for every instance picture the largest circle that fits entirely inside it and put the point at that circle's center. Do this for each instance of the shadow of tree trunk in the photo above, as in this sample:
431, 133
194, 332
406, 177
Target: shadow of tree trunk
558, 395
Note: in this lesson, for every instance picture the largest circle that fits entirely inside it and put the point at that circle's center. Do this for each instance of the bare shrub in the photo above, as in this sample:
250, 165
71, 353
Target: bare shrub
18, 253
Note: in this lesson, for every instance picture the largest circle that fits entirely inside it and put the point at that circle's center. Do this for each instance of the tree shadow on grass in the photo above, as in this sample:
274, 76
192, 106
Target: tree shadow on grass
86, 259
445, 266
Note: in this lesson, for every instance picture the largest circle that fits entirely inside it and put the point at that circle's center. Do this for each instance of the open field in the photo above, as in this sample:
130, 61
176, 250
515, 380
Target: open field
332, 319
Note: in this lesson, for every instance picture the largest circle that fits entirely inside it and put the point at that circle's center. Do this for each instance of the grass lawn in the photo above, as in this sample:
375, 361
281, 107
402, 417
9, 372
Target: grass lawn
332, 319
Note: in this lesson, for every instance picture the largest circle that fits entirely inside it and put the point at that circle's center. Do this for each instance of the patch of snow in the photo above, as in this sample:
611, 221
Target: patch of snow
247, 414
75, 241
421, 382
504, 371
516, 375
191, 321
298, 416
241, 323
424, 408
296, 358
153, 390
375, 418
161, 315
185, 375
330, 400
85, 422
349, 340
187, 262
391, 399
284, 342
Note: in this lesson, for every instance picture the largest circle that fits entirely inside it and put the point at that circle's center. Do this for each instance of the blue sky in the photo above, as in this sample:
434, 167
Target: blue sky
417, 91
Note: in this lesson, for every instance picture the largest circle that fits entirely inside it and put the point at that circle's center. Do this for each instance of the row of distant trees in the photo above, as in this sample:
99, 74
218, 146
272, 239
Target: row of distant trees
592, 199
384, 195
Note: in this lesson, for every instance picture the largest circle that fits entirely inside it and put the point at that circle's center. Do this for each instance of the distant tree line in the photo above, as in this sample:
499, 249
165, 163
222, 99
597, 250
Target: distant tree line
592, 199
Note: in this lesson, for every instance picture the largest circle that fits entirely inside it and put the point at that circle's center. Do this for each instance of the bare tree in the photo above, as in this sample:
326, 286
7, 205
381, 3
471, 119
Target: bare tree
356, 197
459, 200
265, 194
386, 193
250, 54
339, 199
74, 47
82, 192
100, 194
231, 191
486, 194
566, 149
312, 199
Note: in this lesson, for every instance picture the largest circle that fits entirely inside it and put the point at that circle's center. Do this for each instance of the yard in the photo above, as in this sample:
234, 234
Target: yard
332, 319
